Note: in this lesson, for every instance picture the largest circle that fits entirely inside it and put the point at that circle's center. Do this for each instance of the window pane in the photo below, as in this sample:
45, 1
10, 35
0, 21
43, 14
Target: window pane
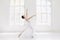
43, 2
44, 18
19, 2
43, 9
48, 3
16, 11
12, 2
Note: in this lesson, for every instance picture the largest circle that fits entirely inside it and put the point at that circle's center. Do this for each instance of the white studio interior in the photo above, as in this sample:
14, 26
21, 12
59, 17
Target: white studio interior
29, 20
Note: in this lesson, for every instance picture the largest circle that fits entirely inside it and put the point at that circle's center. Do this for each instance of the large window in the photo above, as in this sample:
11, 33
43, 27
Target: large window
16, 10
43, 10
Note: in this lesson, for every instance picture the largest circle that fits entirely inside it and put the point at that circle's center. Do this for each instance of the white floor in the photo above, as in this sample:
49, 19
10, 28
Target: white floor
37, 36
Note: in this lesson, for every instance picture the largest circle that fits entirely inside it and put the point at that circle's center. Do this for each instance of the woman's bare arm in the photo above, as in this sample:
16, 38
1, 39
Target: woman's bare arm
26, 13
31, 17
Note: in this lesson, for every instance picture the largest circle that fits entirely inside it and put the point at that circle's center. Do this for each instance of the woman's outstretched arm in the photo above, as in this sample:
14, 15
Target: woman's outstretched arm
31, 17
26, 13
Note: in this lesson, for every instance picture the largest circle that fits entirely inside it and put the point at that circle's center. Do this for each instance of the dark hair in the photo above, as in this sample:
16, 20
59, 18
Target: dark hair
22, 17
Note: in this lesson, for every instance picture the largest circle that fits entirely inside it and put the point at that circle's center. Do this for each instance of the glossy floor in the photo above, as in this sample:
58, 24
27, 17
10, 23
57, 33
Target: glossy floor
37, 36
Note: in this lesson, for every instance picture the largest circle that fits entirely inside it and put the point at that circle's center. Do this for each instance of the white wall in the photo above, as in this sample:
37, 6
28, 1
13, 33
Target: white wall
4, 17
4, 14
56, 15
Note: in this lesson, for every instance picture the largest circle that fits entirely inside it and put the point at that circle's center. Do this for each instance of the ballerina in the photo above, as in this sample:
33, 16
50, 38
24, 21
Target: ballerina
27, 23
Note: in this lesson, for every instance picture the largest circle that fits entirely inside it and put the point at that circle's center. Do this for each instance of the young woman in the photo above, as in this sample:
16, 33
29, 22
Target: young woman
28, 31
